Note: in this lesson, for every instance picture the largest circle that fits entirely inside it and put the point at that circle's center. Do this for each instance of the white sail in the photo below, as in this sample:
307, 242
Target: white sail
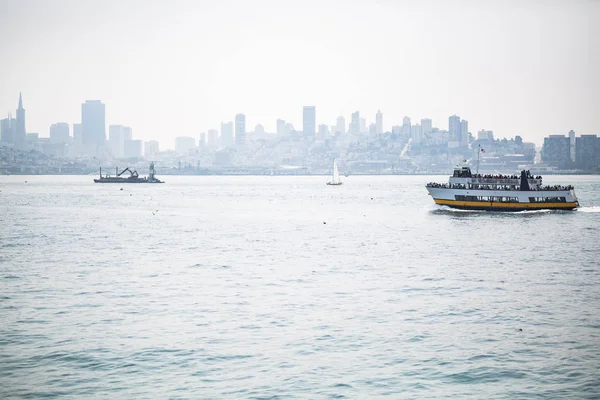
336, 174
335, 177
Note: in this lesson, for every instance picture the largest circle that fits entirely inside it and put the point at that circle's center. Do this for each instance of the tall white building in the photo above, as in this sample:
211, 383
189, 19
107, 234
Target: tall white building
59, 133
363, 125
464, 133
379, 122
117, 136
454, 128
323, 131
77, 133
281, 127
406, 127
213, 138
426, 126
240, 130
151, 149
227, 134
340, 125
416, 134
309, 120
354, 127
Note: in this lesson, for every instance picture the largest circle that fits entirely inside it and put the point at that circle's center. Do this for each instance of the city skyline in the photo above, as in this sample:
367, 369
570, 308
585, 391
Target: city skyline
95, 111
167, 76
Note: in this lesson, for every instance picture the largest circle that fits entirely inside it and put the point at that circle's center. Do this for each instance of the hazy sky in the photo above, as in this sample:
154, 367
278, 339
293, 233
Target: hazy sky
172, 68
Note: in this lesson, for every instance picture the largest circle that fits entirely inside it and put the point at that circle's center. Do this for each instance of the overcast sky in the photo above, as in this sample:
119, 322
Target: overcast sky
173, 68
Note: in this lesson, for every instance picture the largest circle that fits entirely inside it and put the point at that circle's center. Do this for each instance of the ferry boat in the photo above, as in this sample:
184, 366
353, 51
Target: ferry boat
468, 191
132, 178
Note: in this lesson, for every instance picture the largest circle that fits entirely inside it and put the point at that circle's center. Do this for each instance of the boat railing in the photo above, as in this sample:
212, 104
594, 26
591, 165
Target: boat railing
552, 188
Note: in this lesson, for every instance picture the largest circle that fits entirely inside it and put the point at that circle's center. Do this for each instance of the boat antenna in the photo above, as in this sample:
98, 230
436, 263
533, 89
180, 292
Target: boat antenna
478, 153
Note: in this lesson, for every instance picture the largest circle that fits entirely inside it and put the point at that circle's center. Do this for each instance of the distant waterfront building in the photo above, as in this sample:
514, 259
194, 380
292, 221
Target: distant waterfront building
426, 126
132, 148
406, 127
363, 125
117, 136
557, 151
240, 130
93, 121
373, 128
416, 134
213, 138
323, 131
32, 140
379, 122
151, 149
203, 141
280, 127
464, 133
454, 128
19, 131
59, 133
354, 127
587, 150
397, 130
227, 134
78, 133
7, 130
309, 121
184, 144
485, 135
340, 125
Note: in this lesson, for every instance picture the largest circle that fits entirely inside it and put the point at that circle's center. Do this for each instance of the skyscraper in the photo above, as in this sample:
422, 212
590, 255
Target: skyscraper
340, 125
309, 121
379, 122
19, 130
406, 127
280, 127
213, 138
416, 134
226, 134
78, 133
93, 122
363, 126
151, 148
7, 130
240, 129
464, 133
59, 132
426, 126
454, 128
117, 135
354, 127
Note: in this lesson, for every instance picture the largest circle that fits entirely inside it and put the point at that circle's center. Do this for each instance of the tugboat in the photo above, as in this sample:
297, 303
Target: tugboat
468, 191
132, 178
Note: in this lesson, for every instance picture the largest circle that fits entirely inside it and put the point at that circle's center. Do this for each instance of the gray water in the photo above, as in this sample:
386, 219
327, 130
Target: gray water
283, 287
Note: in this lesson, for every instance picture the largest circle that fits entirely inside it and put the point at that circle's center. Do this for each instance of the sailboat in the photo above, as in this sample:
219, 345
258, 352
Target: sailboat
335, 178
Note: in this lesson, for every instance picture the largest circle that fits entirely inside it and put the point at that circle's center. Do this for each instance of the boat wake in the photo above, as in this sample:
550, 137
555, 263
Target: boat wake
593, 209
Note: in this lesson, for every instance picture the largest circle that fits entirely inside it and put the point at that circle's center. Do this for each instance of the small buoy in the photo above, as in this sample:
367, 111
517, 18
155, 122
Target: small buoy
25, 181
324, 223
121, 188
130, 194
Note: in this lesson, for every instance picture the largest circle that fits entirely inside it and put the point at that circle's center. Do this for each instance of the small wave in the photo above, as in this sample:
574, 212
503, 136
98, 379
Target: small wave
592, 209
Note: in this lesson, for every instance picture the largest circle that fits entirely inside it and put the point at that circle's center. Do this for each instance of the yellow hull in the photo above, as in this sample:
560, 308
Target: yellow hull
480, 205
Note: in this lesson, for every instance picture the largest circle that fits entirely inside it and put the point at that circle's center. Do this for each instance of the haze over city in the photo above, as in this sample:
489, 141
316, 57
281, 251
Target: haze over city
180, 68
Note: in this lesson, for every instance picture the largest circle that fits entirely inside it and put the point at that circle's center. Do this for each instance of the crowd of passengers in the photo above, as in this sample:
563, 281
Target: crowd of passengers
500, 187
485, 176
